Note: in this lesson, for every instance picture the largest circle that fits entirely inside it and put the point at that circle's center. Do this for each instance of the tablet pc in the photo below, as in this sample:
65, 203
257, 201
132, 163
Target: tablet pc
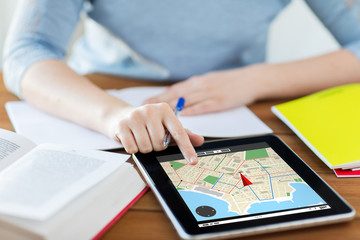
240, 187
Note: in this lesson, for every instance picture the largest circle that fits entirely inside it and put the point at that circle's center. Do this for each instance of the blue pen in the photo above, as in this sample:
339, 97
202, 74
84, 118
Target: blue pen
179, 106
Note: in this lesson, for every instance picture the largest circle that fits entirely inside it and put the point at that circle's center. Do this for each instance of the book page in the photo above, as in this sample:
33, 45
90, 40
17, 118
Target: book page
12, 147
50, 176
237, 122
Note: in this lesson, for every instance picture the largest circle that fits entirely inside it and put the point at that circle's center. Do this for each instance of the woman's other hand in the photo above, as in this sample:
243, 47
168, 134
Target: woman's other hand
215, 91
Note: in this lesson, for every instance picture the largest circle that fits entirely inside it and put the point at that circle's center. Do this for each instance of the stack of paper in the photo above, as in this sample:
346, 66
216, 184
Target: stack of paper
328, 123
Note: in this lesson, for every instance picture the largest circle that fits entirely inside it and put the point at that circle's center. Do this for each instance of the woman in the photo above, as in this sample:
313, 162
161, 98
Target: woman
213, 51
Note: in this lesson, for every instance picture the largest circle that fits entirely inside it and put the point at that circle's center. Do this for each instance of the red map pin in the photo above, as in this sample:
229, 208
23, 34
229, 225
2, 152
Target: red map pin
245, 181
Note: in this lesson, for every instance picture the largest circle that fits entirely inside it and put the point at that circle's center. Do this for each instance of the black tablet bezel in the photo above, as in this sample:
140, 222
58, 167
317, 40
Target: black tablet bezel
184, 216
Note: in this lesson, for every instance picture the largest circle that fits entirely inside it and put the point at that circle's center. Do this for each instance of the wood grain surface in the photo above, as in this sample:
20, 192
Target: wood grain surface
147, 220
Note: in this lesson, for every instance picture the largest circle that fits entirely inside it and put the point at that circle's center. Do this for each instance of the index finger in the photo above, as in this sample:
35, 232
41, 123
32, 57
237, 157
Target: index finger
181, 138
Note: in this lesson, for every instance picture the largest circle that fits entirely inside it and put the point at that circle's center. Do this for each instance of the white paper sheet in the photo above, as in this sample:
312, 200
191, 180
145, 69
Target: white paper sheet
238, 122
41, 127
44, 128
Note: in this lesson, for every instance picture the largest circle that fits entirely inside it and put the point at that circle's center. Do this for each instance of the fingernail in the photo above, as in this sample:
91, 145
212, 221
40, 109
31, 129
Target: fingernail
192, 160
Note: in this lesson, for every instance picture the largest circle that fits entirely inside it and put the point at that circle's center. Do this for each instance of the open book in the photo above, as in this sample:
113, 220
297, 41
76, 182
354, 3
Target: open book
53, 191
42, 127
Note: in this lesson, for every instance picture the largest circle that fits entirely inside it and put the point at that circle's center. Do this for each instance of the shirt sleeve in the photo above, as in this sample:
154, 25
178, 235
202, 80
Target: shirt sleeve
342, 19
40, 29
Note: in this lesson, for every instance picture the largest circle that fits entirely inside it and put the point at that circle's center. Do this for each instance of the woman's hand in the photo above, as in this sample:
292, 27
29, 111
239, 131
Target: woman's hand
138, 129
216, 91
143, 129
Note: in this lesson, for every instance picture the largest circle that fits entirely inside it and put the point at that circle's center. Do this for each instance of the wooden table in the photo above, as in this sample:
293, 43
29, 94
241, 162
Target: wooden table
147, 220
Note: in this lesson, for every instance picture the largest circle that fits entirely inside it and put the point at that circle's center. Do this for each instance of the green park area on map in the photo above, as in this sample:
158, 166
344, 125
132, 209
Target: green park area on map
211, 179
176, 165
257, 153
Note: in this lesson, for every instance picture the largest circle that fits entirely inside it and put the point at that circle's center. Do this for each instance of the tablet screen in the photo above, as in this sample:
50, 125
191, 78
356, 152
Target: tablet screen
240, 183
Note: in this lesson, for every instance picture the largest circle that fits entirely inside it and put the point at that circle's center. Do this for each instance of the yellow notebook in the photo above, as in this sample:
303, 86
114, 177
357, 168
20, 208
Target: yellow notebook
328, 122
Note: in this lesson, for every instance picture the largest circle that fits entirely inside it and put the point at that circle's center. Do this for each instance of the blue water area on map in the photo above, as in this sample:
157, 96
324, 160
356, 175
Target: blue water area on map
303, 196
196, 199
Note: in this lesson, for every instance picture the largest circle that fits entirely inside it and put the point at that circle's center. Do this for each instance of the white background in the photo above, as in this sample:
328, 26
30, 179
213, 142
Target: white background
295, 34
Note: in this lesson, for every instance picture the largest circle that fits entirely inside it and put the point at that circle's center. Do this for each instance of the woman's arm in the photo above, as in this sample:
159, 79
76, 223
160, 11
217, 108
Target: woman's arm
307, 76
53, 87
216, 91
221, 90
33, 69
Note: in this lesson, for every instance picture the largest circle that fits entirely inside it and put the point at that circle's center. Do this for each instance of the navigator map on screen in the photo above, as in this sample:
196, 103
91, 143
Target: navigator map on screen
239, 181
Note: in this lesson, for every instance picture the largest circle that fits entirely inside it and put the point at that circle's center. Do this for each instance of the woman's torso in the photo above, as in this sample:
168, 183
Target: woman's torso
174, 39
